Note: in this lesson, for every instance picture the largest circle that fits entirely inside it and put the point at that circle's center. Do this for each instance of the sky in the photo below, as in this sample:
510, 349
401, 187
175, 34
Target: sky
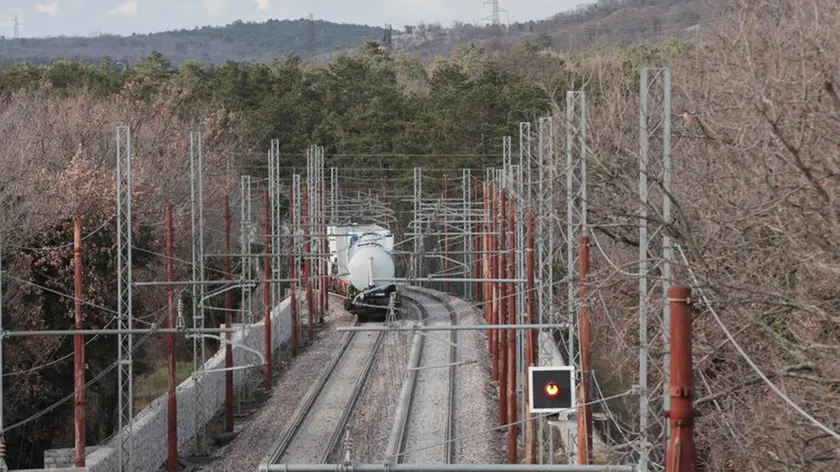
40, 18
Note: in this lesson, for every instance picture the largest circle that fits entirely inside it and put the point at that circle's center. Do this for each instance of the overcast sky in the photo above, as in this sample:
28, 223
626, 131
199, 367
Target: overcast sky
87, 17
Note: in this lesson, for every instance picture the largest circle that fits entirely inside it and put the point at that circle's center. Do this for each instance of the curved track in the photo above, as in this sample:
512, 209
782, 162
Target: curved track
425, 425
318, 424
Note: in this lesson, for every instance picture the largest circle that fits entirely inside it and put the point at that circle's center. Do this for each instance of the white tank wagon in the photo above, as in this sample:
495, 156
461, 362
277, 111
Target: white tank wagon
360, 264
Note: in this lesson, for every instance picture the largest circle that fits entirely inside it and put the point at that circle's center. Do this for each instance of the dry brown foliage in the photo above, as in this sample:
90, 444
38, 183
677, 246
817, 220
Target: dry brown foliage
756, 120
60, 156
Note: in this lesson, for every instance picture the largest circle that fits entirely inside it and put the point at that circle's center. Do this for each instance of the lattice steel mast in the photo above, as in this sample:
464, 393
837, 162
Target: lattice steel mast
545, 232
654, 191
197, 227
125, 320
245, 239
274, 190
576, 224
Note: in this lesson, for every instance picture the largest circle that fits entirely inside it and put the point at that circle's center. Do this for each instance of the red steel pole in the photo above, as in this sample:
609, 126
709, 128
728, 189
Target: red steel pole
292, 276
319, 270
494, 286
475, 244
315, 267
584, 419
485, 259
171, 399
228, 323
307, 263
491, 296
78, 349
681, 455
267, 292
531, 424
326, 249
445, 236
503, 338
511, 340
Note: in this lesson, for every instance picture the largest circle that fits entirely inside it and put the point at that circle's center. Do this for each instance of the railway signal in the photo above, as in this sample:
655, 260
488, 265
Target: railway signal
551, 389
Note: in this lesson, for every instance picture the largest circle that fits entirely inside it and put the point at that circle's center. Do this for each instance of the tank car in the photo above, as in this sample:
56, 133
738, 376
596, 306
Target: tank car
359, 255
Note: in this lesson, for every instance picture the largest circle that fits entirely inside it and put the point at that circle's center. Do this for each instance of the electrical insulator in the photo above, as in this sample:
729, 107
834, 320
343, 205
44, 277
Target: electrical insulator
180, 323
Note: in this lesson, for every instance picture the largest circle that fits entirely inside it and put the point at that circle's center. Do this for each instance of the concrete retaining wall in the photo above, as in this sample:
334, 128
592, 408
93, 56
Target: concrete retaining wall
149, 427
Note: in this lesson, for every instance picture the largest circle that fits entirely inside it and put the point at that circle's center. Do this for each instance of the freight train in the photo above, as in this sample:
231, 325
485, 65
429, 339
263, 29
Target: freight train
359, 255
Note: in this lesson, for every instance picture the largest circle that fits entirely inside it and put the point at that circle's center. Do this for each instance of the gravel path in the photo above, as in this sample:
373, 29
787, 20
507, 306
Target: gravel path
258, 434
428, 417
307, 446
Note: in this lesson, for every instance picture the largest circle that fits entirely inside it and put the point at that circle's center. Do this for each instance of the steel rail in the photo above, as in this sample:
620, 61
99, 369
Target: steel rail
449, 435
449, 428
449, 445
449, 468
396, 441
304, 409
350, 409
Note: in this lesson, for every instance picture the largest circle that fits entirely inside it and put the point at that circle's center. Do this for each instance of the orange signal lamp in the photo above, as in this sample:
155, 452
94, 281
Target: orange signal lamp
552, 390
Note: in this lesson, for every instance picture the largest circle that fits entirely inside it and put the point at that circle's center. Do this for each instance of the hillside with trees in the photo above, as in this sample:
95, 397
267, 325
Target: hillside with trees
754, 150
605, 22
238, 41
601, 23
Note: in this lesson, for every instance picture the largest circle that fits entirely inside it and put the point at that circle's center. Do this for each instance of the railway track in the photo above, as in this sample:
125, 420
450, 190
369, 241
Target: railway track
319, 423
424, 427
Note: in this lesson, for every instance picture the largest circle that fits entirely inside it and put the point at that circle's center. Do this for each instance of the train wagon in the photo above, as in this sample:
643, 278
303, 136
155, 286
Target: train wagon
359, 255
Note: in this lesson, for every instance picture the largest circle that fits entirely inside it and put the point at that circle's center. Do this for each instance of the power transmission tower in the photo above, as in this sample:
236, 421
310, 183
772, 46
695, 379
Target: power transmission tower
310, 35
387, 38
495, 20
17, 24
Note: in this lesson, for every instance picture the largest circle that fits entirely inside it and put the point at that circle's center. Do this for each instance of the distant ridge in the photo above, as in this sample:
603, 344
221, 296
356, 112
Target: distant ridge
605, 22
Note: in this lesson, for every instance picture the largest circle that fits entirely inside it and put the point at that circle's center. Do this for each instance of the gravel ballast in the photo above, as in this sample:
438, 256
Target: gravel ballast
427, 420
374, 416
476, 414
476, 404
258, 434
310, 440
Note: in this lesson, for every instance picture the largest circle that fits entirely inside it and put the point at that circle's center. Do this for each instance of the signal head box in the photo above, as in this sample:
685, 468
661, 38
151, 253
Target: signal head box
551, 389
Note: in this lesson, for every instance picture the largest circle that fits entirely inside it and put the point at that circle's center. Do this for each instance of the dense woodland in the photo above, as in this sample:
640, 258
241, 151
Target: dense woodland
756, 118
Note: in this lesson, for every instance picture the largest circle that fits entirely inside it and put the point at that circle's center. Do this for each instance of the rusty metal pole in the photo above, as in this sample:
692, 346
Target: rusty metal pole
78, 349
307, 263
293, 341
315, 224
494, 286
228, 324
584, 418
445, 235
531, 424
485, 260
267, 292
681, 455
171, 399
512, 429
322, 260
477, 288
503, 338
